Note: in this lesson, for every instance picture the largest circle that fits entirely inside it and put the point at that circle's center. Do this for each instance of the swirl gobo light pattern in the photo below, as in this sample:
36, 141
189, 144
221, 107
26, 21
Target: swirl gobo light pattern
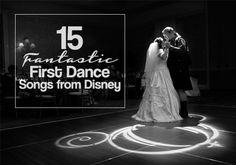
126, 138
83, 139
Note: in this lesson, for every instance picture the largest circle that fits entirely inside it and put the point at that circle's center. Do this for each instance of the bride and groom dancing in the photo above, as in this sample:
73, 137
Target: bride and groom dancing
166, 78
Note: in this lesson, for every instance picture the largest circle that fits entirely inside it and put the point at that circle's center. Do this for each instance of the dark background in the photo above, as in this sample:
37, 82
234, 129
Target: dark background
208, 27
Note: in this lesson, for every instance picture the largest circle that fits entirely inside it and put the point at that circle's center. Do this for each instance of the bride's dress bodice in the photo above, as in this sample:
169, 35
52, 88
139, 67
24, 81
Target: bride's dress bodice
160, 63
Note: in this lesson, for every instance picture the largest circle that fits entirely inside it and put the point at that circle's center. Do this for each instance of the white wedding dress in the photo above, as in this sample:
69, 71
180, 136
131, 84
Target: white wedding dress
160, 102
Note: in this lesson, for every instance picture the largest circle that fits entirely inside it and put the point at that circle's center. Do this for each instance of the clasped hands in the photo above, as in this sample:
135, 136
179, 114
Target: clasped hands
167, 44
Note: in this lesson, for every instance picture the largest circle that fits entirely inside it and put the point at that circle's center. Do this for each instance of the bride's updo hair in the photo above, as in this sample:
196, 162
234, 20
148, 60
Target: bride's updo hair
159, 40
168, 30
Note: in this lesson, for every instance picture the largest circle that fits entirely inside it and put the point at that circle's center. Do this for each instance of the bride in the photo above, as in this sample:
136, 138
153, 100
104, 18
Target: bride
160, 102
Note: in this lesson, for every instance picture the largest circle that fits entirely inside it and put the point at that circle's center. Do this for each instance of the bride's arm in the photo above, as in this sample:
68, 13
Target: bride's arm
164, 54
180, 48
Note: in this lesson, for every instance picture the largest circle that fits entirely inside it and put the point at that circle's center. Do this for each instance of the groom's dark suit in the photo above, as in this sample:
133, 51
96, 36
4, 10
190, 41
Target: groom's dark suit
178, 62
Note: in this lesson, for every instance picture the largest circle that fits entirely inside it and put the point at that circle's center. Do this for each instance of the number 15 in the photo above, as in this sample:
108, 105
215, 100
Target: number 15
70, 36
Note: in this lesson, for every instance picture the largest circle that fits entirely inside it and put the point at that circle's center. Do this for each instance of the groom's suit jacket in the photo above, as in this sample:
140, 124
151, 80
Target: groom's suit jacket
178, 62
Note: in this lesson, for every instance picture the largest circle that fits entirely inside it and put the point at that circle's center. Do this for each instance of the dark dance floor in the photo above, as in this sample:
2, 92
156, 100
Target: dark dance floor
209, 137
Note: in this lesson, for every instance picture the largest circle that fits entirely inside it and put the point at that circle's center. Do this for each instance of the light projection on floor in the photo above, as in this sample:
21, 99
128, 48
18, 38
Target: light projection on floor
151, 140
84, 139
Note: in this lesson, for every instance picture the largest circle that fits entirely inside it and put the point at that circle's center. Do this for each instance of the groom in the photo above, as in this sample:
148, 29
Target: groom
177, 63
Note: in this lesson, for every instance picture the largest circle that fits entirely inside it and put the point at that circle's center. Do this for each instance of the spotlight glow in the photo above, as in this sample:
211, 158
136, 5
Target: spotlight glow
21, 44
129, 134
203, 118
181, 148
151, 143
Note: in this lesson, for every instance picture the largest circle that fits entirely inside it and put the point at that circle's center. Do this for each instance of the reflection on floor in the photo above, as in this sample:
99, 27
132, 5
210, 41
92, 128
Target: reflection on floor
206, 138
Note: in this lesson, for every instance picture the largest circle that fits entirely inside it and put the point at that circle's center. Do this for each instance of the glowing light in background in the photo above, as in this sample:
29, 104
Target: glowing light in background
32, 46
127, 133
25, 47
21, 44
